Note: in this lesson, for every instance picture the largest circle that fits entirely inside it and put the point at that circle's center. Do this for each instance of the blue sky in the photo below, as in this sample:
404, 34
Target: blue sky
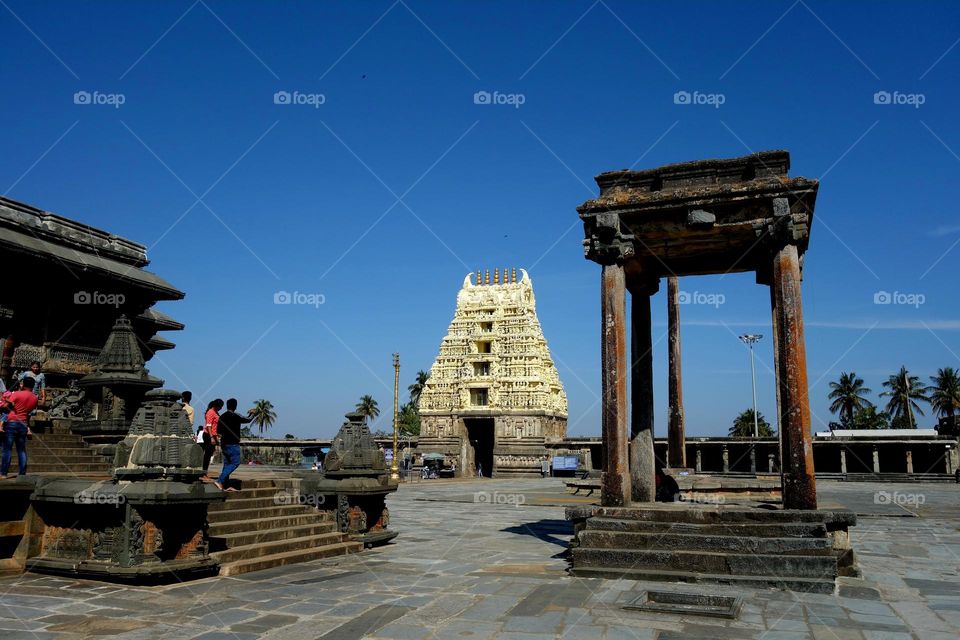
381, 198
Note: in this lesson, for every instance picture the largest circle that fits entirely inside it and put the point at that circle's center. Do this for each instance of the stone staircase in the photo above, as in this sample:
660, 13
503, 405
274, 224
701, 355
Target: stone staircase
61, 453
794, 550
263, 526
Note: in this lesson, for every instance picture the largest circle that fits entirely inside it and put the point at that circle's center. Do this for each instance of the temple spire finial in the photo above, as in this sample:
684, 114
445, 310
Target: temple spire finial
496, 276
486, 277
513, 275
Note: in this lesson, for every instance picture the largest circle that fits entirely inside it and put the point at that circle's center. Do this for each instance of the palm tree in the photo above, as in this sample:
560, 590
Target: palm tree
945, 392
263, 414
904, 392
743, 426
848, 396
417, 387
409, 419
368, 407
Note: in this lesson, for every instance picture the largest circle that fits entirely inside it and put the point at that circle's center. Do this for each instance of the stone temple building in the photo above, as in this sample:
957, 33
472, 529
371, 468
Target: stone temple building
494, 397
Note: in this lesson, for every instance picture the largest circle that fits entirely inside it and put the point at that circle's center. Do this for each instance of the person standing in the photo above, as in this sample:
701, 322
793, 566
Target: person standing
39, 381
18, 405
211, 420
228, 432
545, 467
185, 399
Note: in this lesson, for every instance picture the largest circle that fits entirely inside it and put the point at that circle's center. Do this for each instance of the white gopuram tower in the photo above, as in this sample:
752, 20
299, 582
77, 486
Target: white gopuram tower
494, 396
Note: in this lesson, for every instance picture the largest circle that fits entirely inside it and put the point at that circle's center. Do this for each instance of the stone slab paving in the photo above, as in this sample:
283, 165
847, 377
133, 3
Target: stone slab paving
483, 559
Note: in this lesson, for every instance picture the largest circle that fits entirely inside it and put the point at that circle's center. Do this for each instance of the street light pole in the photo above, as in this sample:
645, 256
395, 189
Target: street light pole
749, 339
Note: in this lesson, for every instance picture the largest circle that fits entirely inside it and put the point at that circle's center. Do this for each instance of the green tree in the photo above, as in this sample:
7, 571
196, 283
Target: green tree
290, 436
263, 414
743, 426
867, 418
409, 419
368, 407
848, 396
417, 387
945, 392
904, 392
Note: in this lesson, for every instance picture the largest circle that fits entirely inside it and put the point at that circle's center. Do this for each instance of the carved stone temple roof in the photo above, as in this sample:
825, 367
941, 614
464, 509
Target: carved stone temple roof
160, 442
494, 358
121, 361
354, 452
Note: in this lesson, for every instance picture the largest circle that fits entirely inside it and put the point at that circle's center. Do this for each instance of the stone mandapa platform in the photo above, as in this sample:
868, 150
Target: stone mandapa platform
747, 545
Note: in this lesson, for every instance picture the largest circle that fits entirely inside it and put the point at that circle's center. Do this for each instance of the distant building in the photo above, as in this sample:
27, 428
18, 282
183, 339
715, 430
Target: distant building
494, 397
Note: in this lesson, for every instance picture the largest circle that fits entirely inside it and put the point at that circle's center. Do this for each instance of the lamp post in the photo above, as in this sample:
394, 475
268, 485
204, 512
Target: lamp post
748, 339
394, 469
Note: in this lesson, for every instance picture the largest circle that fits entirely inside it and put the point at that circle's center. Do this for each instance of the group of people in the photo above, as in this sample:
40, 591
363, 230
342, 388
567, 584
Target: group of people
28, 390
218, 429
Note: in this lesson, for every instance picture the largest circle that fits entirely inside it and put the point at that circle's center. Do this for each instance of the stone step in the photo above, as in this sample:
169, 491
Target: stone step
290, 557
681, 513
276, 498
246, 537
671, 541
265, 524
741, 564
265, 512
777, 530
69, 458
59, 468
10, 567
274, 547
266, 483
825, 585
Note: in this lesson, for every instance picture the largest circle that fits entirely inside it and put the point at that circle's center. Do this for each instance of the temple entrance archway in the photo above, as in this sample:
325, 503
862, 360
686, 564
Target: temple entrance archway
480, 445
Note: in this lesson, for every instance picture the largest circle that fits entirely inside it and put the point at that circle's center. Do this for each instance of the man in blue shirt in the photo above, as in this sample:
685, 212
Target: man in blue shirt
39, 381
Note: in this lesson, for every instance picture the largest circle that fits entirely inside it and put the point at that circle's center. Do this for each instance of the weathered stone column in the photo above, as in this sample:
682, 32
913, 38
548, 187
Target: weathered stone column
615, 480
876, 460
799, 483
676, 437
699, 460
909, 461
753, 458
726, 459
843, 460
770, 462
642, 459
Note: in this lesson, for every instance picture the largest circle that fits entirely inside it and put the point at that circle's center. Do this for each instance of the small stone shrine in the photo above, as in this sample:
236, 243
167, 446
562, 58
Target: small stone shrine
148, 523
355, 483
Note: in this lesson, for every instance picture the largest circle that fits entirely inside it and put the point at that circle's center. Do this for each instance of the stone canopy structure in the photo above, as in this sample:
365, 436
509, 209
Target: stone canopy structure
494, 396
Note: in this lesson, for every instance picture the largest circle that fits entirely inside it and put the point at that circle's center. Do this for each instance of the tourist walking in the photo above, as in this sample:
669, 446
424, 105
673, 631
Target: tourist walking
18, 406
228, 432
185, 398
211, 418
39, 386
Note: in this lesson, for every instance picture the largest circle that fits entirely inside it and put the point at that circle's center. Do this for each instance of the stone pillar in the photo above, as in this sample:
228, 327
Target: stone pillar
770, 458
699, 460
753, 458
642, 459
615, 480
843, 460
799, 483
676, 436
953, 459
726, 459
909, 461
876, 460
6, 358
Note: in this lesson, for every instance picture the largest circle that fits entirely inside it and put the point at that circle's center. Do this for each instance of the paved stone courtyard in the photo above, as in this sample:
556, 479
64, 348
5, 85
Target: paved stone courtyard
485, 559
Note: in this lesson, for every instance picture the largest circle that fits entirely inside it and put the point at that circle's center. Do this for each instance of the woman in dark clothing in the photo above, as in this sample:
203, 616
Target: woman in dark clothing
211, 419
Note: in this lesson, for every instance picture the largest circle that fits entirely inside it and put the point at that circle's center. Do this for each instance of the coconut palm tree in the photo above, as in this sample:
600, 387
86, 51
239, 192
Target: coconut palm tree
945, 392
848, 396
904, 392
743, 426
368, 407
417, 387
263, 414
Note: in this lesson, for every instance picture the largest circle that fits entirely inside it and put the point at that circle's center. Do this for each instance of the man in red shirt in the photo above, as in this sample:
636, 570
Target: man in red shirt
18, 406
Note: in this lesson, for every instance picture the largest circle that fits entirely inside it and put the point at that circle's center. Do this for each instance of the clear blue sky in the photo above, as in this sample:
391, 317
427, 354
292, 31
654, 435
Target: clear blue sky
303, 198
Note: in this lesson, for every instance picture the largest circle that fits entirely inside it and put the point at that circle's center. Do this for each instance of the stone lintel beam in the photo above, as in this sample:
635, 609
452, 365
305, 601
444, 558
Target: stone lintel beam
799, 483
615, 480
676, 436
